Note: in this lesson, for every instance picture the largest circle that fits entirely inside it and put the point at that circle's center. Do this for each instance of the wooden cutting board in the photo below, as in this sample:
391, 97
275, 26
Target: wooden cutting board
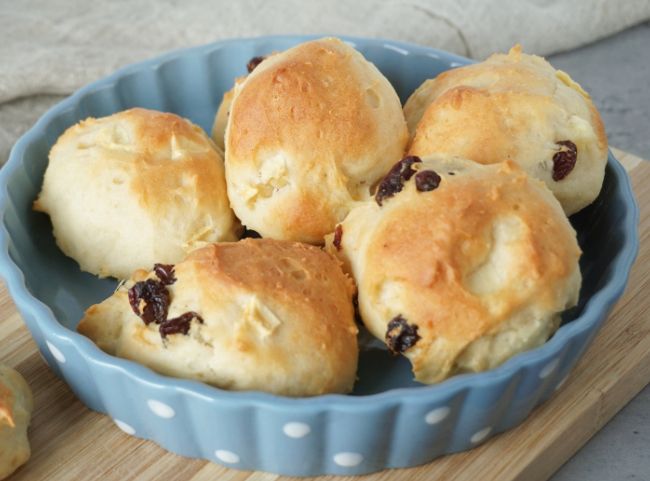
70, 442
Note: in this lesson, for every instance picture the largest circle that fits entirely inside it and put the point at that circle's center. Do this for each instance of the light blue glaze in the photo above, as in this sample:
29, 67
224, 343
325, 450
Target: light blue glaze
390, 420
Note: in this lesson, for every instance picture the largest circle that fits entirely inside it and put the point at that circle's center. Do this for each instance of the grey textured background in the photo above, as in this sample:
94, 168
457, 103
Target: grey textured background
616, 72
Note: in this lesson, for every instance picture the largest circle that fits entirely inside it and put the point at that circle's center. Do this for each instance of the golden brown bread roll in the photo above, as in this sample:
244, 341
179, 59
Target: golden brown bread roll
16, 406
462, 265
259, 314
309, 132
514, 107
135, 188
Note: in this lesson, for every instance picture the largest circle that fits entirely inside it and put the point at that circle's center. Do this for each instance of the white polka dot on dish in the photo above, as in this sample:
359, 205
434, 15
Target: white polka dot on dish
226, 456
161, 409
437, 415
56, 353
127, 428
296, 430
479, 436
348, 459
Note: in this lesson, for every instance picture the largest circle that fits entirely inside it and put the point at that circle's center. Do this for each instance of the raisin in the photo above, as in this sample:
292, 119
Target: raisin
250, 234
400, 335
564, 160
165, 272
155, 297
253, 63
338, 235
426, 180
180, 324
394, 180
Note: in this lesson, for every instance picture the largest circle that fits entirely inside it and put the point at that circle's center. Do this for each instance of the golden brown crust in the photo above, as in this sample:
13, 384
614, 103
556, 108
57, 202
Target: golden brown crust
156, 138
488, 249
460, 227
310, 129
466, 113
512, 107
16, 405
143, 168
274, 112
277, 316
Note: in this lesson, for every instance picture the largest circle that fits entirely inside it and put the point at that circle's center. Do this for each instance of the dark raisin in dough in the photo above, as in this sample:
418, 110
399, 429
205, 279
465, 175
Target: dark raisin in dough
427, 180
394, 180
180, 324
253, 63
156, 300
400, 335
155, 296
250, 234
165, 272
564, 160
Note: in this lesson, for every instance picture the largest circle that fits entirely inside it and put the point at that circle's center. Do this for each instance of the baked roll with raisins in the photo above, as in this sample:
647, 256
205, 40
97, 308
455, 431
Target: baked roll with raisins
258, 314
16, 406
310, 130
134, 188
460, 266
514, 107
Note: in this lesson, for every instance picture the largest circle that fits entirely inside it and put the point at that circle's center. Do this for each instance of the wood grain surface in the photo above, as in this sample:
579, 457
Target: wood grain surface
70, 442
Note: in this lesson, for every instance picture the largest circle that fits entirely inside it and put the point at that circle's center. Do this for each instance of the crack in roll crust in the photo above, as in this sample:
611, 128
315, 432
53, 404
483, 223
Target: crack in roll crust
16, 404
483, 265
276, 316
310, 130
512, 107
135, 188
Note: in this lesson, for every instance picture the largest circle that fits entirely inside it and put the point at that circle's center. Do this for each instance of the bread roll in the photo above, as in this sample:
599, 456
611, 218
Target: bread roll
135, 188
462, 265
514, 107
310, 131
258, 314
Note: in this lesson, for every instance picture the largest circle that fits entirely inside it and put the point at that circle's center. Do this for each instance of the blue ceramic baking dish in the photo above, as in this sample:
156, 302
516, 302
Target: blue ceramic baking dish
389, 420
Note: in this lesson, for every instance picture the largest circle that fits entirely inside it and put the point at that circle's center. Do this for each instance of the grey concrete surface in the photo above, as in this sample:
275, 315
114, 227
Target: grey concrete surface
616, 72
619, 452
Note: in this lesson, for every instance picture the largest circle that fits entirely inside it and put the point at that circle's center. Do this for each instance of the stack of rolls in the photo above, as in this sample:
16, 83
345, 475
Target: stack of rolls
446, 221
466, 257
